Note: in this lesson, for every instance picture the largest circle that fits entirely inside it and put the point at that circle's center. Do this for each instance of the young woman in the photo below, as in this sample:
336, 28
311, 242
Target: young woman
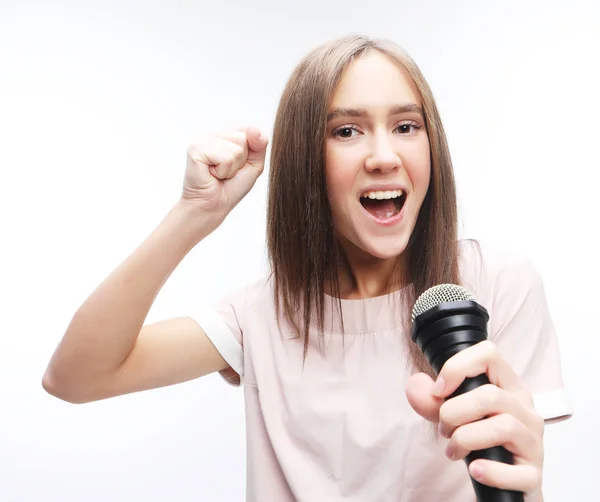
361, 219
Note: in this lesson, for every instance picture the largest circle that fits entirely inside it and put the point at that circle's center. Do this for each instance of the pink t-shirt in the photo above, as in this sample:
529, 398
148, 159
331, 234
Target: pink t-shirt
341, 428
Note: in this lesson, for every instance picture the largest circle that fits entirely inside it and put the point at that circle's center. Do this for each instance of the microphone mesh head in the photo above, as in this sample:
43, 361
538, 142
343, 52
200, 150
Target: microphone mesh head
441, 293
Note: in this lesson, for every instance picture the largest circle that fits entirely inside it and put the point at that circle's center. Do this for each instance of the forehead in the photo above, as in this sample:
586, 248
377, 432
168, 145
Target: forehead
374, 80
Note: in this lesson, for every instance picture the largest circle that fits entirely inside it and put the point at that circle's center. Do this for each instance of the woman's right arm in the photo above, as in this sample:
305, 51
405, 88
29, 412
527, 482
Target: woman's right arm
107, 351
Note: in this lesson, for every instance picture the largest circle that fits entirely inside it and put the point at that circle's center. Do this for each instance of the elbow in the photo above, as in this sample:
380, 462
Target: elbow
55, 388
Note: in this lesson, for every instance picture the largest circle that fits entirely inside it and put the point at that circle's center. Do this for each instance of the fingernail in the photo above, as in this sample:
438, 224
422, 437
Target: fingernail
449, 451
438, 386
476, 470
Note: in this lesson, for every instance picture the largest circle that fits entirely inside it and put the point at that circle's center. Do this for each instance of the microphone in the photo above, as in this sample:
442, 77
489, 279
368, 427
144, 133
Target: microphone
446, 320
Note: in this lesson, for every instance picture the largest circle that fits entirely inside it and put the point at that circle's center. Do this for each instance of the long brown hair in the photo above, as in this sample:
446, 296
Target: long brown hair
302, 245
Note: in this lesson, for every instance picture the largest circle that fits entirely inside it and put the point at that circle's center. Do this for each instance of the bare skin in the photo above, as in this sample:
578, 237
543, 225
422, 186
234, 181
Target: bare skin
376, 141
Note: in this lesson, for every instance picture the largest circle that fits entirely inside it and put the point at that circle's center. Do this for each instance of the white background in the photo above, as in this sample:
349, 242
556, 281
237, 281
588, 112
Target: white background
98, 102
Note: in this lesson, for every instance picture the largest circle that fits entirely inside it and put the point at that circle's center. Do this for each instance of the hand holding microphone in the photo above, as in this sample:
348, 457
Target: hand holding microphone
480, 403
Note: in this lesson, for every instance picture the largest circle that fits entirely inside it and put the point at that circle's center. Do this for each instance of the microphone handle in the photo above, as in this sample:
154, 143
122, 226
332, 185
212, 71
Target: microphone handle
483, 492
443, 331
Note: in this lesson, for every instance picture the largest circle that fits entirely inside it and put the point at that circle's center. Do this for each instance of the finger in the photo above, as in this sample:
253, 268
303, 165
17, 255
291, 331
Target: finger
231, 156
257, 148
523, 478
485, 401
238, 137
482, 358
499, 430
240, 155
256, 145
420, 396
208, 162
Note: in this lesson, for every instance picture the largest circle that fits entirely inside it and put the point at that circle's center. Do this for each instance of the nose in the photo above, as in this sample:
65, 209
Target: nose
382, 156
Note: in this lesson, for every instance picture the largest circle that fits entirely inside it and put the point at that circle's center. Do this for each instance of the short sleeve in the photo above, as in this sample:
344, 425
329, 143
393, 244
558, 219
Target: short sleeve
222, 326
521, 327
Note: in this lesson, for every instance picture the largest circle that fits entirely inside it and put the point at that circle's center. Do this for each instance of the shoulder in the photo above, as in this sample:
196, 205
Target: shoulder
497, 274
509, 286
254, 295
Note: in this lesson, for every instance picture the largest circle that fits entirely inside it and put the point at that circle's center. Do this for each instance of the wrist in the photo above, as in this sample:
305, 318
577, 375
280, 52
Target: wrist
192, 223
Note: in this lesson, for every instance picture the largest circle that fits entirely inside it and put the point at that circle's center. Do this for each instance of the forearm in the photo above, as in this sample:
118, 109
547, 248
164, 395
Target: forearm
104, 330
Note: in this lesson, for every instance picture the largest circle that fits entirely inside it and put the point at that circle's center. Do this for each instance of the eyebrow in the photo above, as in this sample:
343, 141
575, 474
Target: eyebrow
357, 112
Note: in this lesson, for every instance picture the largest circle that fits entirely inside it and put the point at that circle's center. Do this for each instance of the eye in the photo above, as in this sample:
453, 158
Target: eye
408, 127
345, 132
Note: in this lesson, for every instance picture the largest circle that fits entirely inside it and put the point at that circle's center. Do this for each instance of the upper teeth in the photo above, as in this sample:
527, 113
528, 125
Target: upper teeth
387, 194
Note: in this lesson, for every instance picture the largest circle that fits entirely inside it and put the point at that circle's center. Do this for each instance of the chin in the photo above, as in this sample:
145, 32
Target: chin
386, 249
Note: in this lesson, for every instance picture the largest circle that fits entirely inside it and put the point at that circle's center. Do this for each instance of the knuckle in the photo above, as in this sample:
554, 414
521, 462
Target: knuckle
445, 412
496, 396
458, 437
535, 478
527, 398
237, 151
450, 368
241, 137
509, 426
192, 149
489, 349
228, 158
488, 398
199, 146
220, 172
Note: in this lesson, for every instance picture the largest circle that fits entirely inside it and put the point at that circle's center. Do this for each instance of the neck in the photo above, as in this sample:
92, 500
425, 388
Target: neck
363, 276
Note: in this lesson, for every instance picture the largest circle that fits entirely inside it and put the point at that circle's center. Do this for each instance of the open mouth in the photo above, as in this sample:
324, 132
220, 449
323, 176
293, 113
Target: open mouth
383, 205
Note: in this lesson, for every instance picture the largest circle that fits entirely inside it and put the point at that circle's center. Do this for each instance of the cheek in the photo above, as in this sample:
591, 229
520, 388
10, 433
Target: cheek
419, 170
339, 180
421, 178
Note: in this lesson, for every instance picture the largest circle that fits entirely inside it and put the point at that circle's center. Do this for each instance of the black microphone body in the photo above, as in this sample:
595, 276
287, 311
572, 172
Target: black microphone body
443, 331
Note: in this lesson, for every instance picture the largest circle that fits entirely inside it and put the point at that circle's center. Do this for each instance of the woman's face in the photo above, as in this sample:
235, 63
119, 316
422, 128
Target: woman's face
377, 158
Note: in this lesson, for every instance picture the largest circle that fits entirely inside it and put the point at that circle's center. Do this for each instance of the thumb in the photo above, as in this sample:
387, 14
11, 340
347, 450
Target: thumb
257, 148
420, 396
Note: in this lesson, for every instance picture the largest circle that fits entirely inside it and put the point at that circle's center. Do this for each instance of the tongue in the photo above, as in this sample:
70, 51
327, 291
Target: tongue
381, 209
